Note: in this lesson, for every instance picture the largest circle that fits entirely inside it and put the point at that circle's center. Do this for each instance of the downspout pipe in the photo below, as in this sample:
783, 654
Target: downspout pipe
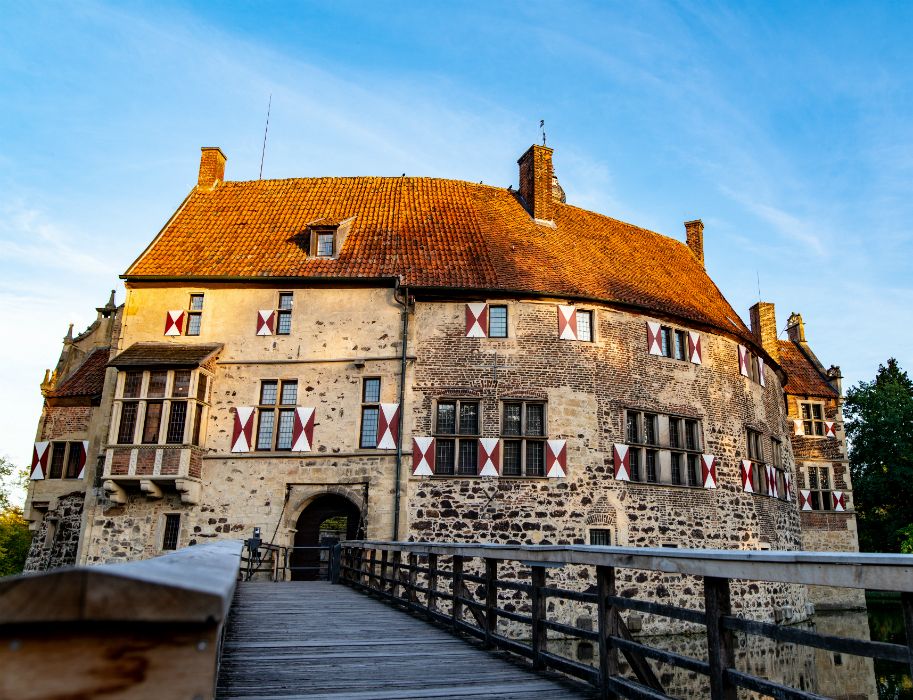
402, 394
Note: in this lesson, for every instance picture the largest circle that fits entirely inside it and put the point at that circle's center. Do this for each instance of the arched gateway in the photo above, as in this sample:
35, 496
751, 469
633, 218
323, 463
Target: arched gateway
326, 520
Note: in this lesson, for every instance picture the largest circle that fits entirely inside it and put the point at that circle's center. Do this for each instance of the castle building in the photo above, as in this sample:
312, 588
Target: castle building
421, 358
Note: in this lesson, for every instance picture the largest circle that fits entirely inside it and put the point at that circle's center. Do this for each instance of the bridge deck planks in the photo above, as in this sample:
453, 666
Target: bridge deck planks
323, 642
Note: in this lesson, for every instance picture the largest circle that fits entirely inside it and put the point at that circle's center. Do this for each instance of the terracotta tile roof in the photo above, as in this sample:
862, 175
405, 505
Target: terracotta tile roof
435, 233
165, 355
87, 380
804, 377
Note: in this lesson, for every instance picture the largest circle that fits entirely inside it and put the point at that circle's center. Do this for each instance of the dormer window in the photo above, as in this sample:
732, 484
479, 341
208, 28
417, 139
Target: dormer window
326, 240
326, 237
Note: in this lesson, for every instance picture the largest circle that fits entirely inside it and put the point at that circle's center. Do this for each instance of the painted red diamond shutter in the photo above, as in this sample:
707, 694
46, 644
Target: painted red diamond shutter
423, 451
242, 435
788, 484
708, 471
174, 323
556, 459
266, 320
695, 353
798, 428
746, 476
303, 429
567, 322
761, 371
489, 457
388, 426
805, 499
39, 461
654, 338
830, 429
744, 359
839, 500
622, 462
83, 454
477, 320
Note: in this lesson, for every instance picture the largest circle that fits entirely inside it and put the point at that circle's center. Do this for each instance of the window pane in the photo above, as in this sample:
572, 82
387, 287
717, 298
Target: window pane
825, 478
511, 458
691, 437
371, 392
826, 502
601, 538
676, 467
674, 437
651, 466
680, 352
172, 528
181, 383
268, 392
58, 450
444, 457
265, 430
535, 419
368, 426
469, 418
325, 244
176, 423
284, 434
497, 321
133, 383
127, 423
73, 459
634, 461
193, 323
808, 428
196, 302
819, 427
284, 327
289, 393
285, 300
197, 421
469, 455
202, 383
694, 477
511, 424
152, 423
816, 411
157, 382
666, 338
650, 429
633, 432
535, 458
446, 418
585, 325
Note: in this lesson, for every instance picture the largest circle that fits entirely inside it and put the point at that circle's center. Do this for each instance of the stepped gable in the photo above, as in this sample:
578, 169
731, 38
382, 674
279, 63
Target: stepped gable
434, 233
804, 378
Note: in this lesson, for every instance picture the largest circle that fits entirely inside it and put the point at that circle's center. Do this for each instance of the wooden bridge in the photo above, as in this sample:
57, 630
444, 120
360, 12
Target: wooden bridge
406, 620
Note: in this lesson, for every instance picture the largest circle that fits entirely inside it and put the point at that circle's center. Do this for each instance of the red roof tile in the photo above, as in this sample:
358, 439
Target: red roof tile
803, 376
87, 380
435, 233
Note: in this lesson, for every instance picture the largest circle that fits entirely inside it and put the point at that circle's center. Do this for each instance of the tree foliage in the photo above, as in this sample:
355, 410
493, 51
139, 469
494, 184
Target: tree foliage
15, 540
879, 428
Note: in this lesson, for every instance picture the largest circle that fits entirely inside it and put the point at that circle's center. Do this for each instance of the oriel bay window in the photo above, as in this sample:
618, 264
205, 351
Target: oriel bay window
456, 430
158, 406
663, 449
523, 433
276, 414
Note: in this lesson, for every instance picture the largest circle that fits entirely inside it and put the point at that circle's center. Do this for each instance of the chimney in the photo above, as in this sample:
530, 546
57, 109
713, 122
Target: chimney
695, 235
212, 166
537, 183
764, 327
795, 328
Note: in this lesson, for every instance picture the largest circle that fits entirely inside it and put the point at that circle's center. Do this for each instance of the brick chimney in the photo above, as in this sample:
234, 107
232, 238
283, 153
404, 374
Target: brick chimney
536, 182
695, 236
764, 327
212, 166
795, 328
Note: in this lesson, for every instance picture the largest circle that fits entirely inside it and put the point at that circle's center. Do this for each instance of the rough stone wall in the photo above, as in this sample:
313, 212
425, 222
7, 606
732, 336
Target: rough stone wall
49, 552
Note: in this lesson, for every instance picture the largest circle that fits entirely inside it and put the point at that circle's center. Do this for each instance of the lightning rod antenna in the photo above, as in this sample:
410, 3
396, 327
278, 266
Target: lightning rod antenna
542, 126
265, 132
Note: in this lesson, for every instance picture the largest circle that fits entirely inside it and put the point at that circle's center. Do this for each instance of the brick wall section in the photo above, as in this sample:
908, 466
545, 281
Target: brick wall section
65, 422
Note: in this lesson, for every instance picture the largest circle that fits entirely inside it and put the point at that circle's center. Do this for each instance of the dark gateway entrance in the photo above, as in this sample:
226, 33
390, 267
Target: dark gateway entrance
327, 520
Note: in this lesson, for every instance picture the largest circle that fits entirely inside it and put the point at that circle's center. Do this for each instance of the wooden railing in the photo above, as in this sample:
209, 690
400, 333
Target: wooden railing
411, 575
144, 629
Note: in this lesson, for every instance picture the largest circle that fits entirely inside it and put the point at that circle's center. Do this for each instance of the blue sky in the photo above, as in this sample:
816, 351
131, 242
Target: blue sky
787, 127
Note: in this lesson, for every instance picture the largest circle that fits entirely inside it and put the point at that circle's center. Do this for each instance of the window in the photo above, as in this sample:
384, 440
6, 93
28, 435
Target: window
663, 449
585, 325
497, 321
455, 454
681, 346
758, 466
65, 459
665, 335
284, 313
812, 417
523, 430
195, 314
325, 243
600, 537
673, 343
171, 530
819, 485
154, 406
776, 461
276, 414
370, 410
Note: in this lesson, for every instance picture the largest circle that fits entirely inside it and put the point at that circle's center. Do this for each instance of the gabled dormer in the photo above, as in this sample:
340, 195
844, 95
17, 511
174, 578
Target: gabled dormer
326, 237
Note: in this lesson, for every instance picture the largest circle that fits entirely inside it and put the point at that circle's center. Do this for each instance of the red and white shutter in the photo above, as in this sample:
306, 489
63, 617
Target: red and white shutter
746, 476
388, 426
694, 348
761, 371
805, 499
556, 459
83, 454
423, 456
788, 484
39, 461
772, 488
744, 359
798, 428
654, 339
303, 429
489, 457
622, 462
174, 323
830, 429
266, 322
708, 471
242, 436
839, 499
567, 322
477, 320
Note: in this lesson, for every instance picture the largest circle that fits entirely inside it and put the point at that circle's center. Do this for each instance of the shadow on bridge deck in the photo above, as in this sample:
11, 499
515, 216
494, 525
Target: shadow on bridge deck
317, 640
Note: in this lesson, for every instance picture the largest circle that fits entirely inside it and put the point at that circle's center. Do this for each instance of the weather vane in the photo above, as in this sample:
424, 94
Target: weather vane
542, 126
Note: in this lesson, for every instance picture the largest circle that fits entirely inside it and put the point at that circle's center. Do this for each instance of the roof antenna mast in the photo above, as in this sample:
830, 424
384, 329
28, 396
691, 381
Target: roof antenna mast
265, 132
758, 274
542, 126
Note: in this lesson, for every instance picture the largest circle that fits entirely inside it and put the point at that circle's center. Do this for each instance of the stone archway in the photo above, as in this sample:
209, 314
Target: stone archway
327, 519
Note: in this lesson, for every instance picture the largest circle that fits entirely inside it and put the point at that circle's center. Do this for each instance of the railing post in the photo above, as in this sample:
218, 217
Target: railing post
431, 600
906, 602
491, 600
413, 577
608, 653
397, 561
381, 582
538, 605
720, 648
335, 561
456, 608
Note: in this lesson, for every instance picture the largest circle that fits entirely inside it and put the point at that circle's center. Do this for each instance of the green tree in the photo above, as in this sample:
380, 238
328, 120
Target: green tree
879, 428
15, 537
